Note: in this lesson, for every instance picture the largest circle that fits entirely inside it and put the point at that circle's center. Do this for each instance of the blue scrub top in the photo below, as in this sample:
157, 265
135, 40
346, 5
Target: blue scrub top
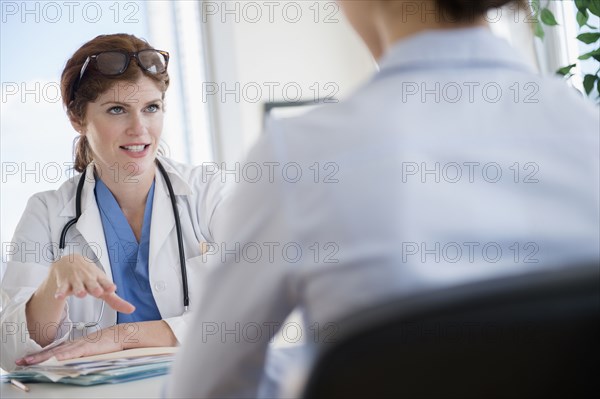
128, 259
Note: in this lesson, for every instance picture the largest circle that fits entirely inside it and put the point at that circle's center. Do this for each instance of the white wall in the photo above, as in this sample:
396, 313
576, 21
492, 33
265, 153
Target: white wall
252, 43
258, 45
515, 26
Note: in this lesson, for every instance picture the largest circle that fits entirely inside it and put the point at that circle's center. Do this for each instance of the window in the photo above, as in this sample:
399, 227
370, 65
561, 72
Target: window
560, 46
36, 40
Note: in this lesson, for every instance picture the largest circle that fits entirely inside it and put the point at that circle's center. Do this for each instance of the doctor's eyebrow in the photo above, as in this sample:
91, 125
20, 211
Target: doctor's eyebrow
128, 104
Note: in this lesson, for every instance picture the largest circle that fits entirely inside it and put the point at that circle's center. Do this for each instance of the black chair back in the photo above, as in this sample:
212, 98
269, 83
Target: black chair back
527, 336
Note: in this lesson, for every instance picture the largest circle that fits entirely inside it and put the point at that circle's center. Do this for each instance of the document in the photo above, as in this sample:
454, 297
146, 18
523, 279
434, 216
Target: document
127, 365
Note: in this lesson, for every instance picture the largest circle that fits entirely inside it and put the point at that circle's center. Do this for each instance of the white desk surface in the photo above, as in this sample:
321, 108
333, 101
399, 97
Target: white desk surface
146, 388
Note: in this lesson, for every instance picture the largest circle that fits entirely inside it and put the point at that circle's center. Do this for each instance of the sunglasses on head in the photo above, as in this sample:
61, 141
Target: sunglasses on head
114, 63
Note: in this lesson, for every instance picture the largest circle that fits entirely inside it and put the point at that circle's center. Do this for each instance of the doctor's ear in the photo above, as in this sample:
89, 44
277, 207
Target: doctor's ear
77, 124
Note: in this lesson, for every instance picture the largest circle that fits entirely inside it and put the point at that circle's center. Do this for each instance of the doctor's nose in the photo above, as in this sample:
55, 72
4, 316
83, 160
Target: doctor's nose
136, 126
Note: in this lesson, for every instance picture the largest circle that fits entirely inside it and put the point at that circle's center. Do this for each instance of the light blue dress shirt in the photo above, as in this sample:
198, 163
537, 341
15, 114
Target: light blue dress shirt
128, 259
442, 100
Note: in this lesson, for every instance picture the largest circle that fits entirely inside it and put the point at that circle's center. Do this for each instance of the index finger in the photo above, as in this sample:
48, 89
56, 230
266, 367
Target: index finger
107, 285
118, 303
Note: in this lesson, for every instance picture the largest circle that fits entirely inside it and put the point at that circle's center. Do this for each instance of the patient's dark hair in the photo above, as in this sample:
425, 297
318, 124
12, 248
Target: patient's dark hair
463, 10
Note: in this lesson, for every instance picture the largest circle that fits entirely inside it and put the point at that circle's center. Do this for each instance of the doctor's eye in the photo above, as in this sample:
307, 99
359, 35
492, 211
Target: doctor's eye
116, 110
153, 108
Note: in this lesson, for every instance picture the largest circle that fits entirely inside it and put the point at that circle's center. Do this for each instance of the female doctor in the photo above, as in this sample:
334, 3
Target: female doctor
99, 265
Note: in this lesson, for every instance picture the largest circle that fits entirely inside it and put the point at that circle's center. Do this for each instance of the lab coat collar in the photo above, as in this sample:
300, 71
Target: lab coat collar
163, 221
180, 187
86, 198
466, 46
89, 224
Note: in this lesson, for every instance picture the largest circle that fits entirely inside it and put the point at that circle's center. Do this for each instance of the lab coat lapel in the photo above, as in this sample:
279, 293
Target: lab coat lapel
163, 221
90, 227
90, 224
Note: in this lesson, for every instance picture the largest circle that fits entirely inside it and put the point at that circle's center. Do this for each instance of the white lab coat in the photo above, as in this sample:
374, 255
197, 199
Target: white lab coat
387, 212
199, 190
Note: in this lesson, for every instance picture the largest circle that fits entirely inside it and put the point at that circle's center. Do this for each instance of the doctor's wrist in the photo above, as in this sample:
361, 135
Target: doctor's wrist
146, 334
128, 337
45, 295
43, 310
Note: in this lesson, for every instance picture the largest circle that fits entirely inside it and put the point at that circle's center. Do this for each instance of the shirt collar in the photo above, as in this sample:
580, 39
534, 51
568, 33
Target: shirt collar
464, 46
107, 204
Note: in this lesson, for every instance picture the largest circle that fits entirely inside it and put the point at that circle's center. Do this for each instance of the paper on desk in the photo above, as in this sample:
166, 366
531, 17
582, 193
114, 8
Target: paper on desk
108, 377
113, 356
71, 369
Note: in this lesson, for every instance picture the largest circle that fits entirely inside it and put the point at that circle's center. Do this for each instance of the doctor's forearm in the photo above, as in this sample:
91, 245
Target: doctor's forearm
43, 313
147, 334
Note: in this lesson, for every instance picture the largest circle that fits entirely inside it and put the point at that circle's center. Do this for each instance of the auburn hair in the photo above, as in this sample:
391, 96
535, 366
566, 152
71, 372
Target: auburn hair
93, 83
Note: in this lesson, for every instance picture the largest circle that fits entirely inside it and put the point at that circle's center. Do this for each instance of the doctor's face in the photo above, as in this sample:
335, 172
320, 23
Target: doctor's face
123, 127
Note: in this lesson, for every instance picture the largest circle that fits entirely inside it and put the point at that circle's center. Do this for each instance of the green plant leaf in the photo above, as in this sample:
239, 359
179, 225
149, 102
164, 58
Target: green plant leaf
594, 7
598, 87
565, 70
595, 53
582, 17
535, 7
538, 30
589, 37
582, 4
548, 18
588, 83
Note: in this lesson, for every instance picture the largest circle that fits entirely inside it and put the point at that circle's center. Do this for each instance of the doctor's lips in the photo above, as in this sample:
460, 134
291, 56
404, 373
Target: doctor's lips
136, 149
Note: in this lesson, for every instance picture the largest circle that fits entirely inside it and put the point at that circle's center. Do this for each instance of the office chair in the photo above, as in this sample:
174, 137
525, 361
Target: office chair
534, 335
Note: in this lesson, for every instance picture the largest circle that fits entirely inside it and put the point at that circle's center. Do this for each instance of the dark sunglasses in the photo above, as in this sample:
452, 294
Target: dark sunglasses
114, 63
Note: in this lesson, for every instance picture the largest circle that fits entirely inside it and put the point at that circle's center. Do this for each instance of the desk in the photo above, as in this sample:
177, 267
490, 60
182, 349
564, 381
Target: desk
146, 388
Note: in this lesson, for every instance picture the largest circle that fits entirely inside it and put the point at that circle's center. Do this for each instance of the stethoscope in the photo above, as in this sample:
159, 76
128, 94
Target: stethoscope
63, 234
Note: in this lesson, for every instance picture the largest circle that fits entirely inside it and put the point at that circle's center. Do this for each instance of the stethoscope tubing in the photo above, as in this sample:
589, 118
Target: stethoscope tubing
184, 280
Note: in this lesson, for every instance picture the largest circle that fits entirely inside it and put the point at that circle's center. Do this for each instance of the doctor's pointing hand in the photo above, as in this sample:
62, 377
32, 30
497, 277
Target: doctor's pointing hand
78, 277
124, 234
73, 275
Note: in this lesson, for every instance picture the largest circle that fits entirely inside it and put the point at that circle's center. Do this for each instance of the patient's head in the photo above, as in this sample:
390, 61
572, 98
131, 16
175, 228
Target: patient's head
380, 23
